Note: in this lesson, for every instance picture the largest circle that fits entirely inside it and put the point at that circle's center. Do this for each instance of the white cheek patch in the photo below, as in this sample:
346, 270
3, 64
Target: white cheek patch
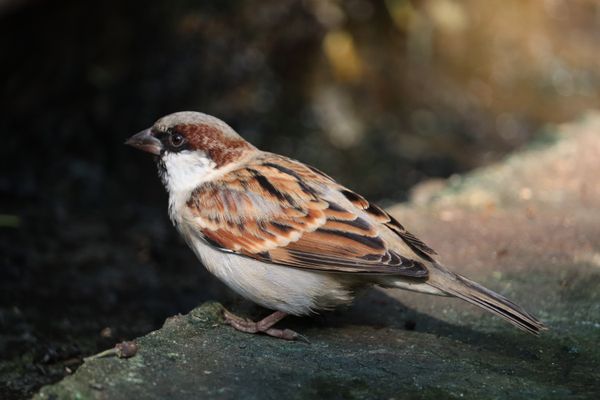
186, 170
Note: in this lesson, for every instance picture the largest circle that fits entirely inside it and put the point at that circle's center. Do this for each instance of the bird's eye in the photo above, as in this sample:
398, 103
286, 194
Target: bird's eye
176, 140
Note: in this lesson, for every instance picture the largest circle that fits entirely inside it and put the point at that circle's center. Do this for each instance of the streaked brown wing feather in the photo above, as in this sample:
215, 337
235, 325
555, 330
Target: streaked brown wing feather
415, 244
273, 211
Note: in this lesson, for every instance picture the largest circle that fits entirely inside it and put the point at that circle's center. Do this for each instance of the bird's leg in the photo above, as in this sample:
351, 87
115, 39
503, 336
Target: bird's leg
264, 325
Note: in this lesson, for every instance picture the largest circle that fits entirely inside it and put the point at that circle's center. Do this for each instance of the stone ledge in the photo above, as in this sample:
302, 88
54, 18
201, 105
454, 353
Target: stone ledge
535, 238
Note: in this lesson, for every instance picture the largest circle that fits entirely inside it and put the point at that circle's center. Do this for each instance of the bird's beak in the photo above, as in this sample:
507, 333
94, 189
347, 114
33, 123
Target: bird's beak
145, 141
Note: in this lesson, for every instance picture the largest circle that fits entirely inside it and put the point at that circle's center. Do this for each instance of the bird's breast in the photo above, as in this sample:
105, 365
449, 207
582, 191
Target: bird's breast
291, 290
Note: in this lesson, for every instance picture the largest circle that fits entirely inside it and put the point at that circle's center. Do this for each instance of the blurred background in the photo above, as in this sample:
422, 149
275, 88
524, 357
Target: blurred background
380, 94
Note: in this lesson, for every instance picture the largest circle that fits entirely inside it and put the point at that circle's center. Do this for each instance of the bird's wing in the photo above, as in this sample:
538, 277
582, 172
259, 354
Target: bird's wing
277, 210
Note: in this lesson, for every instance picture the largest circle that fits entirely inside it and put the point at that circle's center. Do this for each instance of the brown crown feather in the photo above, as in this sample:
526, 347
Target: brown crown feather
221, 147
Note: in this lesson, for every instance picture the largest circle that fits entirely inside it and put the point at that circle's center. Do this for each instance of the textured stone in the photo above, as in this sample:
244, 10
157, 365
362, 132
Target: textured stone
528, 228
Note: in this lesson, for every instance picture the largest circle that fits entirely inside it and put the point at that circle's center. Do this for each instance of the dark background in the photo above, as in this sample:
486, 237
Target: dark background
381, 95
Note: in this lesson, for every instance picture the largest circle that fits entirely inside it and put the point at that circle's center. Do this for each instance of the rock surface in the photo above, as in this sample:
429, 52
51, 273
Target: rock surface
528, 228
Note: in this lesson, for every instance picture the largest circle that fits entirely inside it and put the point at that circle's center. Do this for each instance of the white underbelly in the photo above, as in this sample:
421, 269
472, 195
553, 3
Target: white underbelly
291, 290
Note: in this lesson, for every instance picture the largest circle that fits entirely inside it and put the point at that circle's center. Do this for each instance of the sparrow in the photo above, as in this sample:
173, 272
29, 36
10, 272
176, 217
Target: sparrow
287, 236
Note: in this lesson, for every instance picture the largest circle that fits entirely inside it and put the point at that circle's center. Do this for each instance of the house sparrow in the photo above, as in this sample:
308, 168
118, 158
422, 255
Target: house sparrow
287, 236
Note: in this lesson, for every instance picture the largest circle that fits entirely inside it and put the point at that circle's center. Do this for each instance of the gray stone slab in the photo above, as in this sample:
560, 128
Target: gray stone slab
528, 227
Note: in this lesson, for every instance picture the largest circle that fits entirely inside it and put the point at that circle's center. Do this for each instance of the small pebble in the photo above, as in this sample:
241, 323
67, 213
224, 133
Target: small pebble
126, 349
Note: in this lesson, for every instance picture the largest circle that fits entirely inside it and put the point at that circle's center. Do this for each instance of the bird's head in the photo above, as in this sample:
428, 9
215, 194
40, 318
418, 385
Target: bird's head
189, 147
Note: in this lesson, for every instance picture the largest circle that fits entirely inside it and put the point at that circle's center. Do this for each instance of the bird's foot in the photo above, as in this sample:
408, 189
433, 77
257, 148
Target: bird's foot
265, 325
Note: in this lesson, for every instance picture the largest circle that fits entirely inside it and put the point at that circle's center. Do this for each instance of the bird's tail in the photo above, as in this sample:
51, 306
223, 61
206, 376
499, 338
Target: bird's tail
474, 293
